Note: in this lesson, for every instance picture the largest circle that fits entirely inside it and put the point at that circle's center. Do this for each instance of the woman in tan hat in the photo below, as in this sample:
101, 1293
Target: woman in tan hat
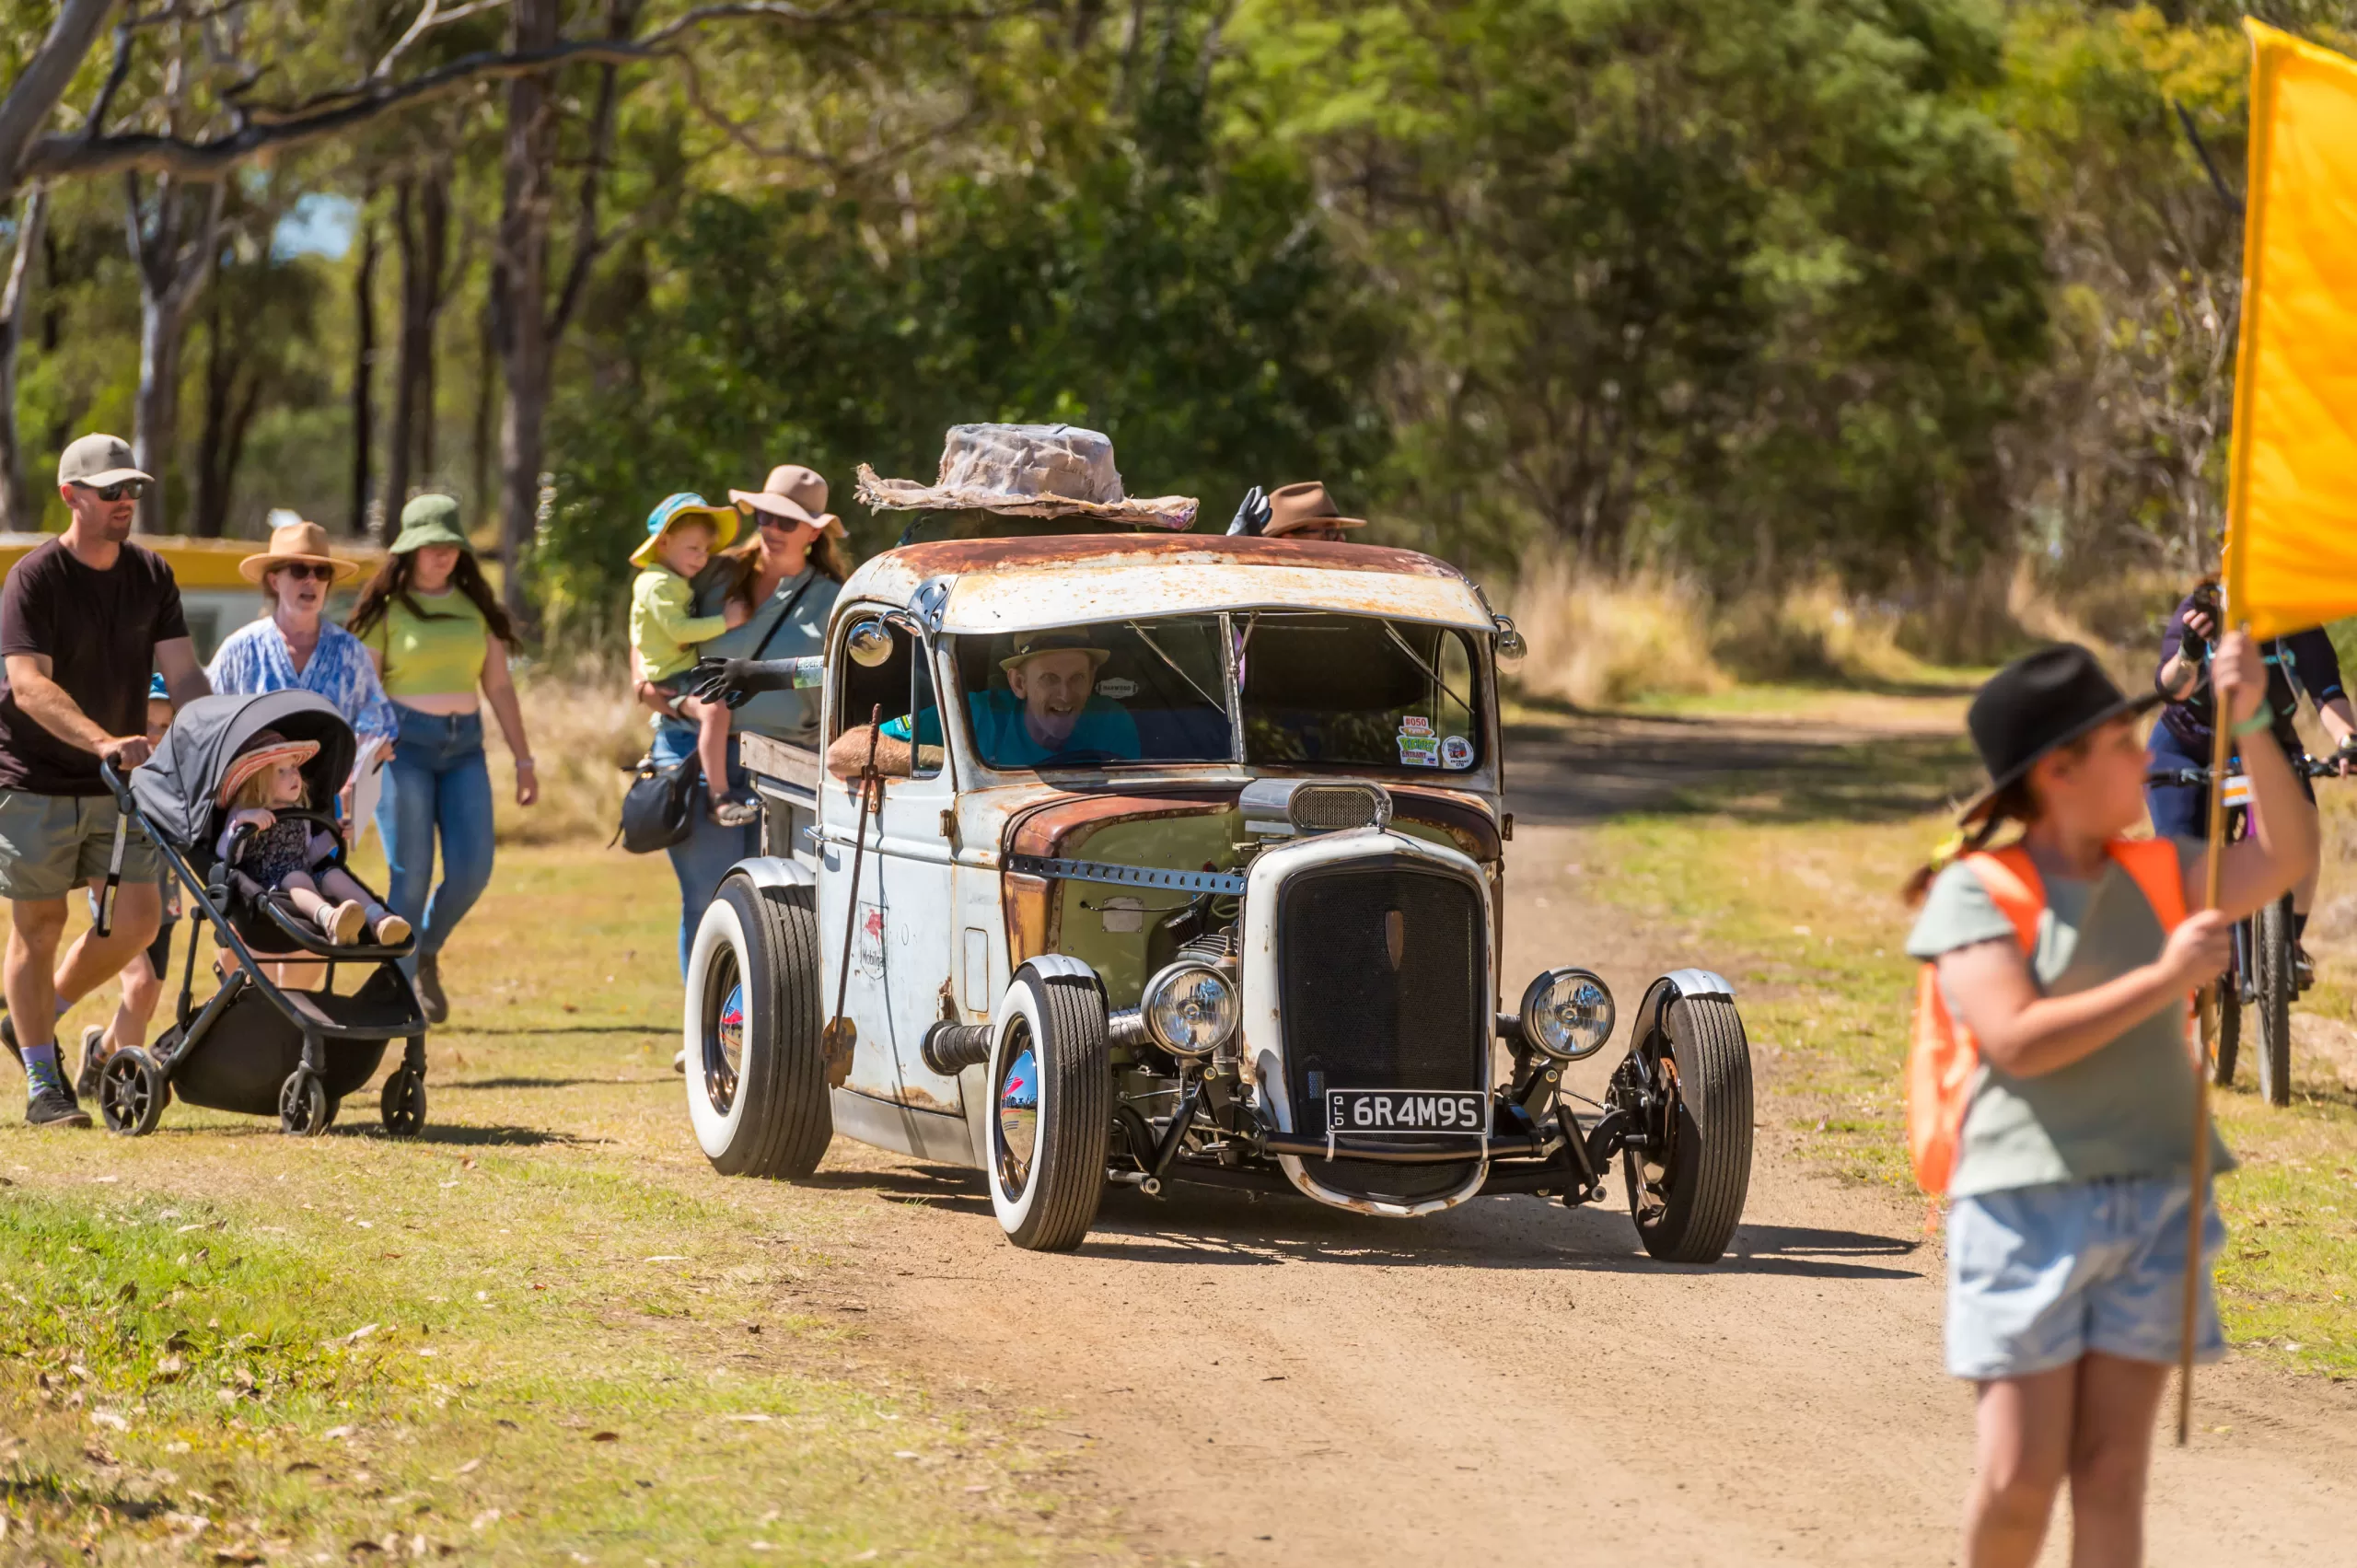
785, 576
294, 644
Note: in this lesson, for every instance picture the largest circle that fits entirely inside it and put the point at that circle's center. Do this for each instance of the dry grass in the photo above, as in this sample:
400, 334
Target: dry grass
585, 731
1601, 640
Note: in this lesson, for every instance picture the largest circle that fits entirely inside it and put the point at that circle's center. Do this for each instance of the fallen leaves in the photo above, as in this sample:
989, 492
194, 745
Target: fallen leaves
605, 1437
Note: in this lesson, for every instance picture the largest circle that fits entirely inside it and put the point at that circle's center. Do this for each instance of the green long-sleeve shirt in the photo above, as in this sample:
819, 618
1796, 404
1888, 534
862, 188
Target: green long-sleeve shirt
662, 625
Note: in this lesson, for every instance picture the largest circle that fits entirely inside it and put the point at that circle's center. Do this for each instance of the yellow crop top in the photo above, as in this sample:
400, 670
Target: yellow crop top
432, 654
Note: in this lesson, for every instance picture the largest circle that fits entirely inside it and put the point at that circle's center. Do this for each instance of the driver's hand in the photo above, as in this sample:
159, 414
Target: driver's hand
2238, 678
127, 751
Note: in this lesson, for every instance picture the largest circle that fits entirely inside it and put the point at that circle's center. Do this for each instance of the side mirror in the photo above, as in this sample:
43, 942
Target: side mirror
870, 643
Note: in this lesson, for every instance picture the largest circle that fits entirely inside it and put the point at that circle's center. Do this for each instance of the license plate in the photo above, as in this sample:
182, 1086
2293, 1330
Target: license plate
1406, 1110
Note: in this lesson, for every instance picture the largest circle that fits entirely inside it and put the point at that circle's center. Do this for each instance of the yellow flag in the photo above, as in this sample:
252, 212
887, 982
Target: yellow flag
2292, 489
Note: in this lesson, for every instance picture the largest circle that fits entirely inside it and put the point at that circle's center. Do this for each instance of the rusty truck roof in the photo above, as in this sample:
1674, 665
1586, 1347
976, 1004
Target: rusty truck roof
1006, 585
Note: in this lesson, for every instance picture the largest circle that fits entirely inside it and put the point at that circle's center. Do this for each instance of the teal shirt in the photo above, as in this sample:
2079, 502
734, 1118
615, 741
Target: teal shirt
1003, 742
2121, 1111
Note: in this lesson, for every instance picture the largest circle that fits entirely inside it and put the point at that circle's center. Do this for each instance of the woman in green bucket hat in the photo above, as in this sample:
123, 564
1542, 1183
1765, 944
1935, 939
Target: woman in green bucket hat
440, 642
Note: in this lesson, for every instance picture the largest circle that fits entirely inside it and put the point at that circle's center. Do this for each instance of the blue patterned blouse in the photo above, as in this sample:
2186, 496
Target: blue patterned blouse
253, 658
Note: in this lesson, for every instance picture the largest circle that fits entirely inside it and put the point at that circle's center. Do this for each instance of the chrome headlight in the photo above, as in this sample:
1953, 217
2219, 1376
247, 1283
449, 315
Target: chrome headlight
1567, 1014
1190, 1009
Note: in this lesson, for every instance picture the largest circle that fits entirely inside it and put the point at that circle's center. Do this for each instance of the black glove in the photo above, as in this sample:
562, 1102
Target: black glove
731, 681
1252, 513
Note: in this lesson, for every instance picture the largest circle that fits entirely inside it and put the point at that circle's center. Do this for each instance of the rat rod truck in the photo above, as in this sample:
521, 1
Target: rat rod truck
1178, 859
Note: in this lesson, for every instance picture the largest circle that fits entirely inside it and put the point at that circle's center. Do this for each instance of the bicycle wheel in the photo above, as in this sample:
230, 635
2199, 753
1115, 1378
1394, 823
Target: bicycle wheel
2272, 937
2228, 1043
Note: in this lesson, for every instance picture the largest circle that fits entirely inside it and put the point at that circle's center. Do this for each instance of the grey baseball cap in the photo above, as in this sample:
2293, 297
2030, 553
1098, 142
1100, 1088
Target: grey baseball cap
99, 461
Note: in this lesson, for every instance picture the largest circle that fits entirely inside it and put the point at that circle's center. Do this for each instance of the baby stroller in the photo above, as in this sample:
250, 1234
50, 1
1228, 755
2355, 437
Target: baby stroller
259, 1048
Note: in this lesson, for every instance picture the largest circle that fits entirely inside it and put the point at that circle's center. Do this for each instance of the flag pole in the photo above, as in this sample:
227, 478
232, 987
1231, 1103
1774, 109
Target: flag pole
2221, 745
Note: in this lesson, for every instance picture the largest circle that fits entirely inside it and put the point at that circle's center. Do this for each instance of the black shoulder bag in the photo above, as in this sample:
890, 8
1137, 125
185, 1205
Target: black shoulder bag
659, 807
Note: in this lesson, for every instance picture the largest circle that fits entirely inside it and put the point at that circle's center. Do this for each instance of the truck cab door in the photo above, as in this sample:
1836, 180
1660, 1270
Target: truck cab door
899, 922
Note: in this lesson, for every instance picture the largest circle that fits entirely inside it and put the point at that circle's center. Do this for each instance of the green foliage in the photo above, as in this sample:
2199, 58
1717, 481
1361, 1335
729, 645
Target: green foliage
1717, 283
1184, 301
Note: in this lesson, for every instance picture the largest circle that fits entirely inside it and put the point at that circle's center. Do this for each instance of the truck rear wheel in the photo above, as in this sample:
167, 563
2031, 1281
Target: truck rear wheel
756, 1077
1687, 1198
1050, 1117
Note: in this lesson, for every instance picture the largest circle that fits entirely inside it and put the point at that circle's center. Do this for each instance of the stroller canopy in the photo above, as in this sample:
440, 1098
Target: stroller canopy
174, 789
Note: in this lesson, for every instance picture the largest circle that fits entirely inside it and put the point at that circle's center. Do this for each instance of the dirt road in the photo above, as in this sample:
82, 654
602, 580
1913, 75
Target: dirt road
1264, 1381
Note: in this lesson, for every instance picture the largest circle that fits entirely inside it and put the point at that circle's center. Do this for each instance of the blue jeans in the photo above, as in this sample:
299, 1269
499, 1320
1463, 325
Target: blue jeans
437, 779
703, 857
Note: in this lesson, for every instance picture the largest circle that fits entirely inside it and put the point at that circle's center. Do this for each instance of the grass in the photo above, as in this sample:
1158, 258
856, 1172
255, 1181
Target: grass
1792, 879
544, 1332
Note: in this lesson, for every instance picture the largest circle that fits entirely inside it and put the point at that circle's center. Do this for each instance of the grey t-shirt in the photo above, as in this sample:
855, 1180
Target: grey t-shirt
782, 715
2126, 1110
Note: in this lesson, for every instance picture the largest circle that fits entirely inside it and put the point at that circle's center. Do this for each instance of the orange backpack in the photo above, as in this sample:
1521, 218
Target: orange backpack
1944, 1057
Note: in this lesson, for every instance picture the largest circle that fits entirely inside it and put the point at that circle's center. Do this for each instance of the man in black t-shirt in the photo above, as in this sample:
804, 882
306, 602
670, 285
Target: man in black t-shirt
84, 619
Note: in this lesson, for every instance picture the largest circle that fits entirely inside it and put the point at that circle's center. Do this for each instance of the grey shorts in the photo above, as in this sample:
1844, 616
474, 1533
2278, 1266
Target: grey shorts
50, 844
2038, 1276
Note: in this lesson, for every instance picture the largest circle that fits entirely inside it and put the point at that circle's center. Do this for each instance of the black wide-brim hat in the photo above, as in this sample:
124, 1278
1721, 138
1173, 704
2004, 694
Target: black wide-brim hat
2035, 703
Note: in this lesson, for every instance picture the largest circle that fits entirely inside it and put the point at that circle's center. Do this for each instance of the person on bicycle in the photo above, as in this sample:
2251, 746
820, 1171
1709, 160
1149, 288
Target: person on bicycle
2296, 662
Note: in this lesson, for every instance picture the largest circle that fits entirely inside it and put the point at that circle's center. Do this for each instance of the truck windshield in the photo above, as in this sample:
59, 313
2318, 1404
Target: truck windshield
1356, 692
1305, 689
1095, 696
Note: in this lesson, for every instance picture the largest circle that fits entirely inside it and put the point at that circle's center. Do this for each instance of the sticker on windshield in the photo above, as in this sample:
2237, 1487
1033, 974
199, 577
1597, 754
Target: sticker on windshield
1121, 688
1455, 751
1415, 723
1418, 750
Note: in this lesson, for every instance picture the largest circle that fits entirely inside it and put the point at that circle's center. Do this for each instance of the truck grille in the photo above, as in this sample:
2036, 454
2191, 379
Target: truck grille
1384, 967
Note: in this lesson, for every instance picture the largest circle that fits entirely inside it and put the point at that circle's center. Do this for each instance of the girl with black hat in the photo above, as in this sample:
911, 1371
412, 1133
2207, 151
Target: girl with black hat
2064, 960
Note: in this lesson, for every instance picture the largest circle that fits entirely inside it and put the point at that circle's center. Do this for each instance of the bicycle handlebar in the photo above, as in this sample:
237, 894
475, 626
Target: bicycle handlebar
2199, 778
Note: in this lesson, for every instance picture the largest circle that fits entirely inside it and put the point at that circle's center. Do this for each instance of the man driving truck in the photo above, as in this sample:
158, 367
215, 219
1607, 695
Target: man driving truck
1050, 709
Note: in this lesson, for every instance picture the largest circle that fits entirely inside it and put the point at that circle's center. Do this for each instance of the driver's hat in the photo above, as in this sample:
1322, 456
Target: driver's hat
1030, 645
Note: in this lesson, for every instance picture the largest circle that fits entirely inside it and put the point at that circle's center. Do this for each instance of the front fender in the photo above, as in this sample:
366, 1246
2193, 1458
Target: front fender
774, 871
1671, 987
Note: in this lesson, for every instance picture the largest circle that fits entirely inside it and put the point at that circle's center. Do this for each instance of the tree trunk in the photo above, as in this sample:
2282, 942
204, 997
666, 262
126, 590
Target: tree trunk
19, 512
364, 370
527, 167
215, 464
422, 224
33, 96
173, 252
486, 385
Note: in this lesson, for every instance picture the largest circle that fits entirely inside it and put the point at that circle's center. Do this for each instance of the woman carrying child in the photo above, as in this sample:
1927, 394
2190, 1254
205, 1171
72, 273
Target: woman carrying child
291, 855
2065, 958
785, 578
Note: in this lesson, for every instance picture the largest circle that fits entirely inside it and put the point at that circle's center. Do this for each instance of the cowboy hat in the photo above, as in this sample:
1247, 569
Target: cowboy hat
294, 539
267, 749
796, 493
2040, 702
1302, 509
1031, 645
676, 508
1027, 470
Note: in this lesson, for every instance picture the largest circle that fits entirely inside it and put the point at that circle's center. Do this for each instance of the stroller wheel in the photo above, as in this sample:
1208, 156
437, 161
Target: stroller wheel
132, 1092
303, 1105
405, 1104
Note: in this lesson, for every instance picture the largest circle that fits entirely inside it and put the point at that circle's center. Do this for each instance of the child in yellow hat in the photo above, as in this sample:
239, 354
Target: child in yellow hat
682, 532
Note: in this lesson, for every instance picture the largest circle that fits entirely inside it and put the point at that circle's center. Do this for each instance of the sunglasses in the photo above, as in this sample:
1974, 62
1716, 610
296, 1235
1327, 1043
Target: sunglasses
302, 571
122, 490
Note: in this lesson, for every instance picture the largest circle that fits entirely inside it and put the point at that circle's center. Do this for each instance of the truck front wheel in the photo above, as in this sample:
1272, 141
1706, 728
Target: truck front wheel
757, 1079
1050, 1117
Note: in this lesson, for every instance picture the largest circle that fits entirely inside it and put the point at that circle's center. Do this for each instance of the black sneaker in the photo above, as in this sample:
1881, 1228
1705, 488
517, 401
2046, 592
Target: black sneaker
94, 1062
51, 1104
429, 988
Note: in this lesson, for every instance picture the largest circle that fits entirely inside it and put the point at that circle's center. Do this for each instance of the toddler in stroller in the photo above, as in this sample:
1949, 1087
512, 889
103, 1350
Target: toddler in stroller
295, 855
260, 1045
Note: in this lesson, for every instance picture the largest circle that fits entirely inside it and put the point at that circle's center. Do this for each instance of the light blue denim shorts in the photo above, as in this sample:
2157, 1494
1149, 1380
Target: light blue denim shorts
2038, 1276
